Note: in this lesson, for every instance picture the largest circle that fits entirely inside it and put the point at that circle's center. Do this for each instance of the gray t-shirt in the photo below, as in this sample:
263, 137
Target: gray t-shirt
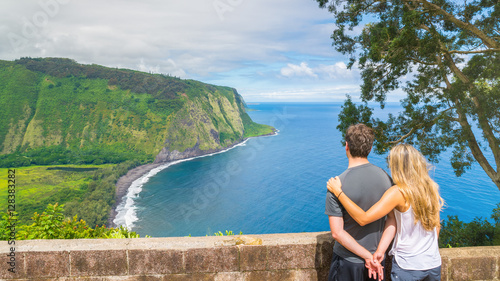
364, 185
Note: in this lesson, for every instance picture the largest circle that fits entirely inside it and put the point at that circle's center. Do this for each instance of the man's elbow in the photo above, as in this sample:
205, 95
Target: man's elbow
362, 223
336, 235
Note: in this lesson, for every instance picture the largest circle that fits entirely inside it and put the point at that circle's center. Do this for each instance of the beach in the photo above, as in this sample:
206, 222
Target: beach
125, 182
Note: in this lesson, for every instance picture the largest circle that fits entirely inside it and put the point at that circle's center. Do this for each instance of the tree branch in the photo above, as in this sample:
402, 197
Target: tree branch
454, 68
414, 128
483, 121
422, 62
488, 132
474, 146
474, 52
489, 42
497, 131
402, 138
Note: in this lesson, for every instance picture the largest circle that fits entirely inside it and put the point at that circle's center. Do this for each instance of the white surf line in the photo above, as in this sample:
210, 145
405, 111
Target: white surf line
126, 212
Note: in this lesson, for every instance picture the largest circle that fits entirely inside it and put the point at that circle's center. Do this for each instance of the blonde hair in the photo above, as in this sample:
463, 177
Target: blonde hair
410, 172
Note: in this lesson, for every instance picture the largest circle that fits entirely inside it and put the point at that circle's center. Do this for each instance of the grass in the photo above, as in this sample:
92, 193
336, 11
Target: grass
36, 186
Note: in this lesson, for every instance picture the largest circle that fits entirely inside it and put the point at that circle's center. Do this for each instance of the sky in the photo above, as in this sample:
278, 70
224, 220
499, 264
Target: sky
270, 51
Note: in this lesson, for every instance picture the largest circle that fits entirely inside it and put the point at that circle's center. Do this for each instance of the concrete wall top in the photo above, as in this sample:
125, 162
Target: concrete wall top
283, 257
170, 243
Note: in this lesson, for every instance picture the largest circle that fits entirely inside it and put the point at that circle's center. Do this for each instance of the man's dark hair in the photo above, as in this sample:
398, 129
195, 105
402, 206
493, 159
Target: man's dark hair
360, 139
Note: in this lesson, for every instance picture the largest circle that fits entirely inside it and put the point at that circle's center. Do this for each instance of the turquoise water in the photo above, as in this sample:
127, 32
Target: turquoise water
277, 184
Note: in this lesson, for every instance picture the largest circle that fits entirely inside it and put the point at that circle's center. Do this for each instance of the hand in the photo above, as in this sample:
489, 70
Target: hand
374, 269
378, 257
334, 186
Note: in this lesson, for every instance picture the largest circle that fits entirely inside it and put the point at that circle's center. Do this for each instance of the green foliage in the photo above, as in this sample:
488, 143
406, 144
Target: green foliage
58, 155
8, 225
351, 114
159, 86
449, 52
95, 205
18, 96
479, 232
90, 194
74, 107
226, 137
227, 233
38, 186
220, 233
168, 106
253, 129
51, 224
456, 233
121, 233
66, 112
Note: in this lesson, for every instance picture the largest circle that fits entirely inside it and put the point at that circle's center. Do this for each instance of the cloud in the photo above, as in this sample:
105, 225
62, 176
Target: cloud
332, 72
106, 32
313, 94
336, 71
298, 70
257, 46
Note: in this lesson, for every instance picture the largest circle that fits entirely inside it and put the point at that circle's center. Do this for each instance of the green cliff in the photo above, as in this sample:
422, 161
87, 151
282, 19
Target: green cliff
56, 111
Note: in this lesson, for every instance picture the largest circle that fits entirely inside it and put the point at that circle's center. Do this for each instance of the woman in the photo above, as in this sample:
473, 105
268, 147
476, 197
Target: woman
416, 203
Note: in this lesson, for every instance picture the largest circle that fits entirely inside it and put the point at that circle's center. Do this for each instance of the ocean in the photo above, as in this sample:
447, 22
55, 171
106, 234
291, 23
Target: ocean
275, 184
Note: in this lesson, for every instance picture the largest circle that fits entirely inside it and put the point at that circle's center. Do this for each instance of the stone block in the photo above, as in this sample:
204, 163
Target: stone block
498, 267
125, 278
190, 277
139, 278
279, 275
324, 254
230, 276
219, 259
108, 278
323, 273
306, 274
291, 256
151, 262
479, 268
253, 258
99, 263
444, 268
16, 263
46, 264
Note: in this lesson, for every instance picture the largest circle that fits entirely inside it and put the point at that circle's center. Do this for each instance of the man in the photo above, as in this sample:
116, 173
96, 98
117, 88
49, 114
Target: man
365, 184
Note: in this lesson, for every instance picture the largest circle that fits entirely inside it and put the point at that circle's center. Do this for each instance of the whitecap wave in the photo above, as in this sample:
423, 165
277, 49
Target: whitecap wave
126, 212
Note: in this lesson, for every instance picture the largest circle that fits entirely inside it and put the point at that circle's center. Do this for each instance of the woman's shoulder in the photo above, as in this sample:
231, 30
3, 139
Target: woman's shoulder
395, 193
394, 189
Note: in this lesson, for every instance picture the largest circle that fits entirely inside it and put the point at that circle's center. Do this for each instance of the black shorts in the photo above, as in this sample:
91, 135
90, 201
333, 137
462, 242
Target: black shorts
343, 270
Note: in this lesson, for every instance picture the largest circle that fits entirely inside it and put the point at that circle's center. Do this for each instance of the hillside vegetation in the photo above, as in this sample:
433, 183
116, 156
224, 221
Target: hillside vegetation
58, 112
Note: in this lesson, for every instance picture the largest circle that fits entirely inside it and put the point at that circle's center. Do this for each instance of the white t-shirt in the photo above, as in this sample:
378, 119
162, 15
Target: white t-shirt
414, 248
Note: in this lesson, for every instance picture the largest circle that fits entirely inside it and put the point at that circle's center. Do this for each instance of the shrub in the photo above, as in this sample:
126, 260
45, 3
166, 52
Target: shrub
52, 224
479, 232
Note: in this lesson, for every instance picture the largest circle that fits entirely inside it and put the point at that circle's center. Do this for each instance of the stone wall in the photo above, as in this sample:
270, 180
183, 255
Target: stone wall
297, 256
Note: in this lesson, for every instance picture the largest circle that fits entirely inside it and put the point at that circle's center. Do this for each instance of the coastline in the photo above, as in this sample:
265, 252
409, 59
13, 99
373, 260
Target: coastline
123, 183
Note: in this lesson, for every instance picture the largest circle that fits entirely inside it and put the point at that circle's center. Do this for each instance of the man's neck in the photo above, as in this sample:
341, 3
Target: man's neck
357, 161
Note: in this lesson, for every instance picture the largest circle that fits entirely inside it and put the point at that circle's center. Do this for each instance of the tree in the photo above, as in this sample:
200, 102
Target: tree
450, 51
478, 232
